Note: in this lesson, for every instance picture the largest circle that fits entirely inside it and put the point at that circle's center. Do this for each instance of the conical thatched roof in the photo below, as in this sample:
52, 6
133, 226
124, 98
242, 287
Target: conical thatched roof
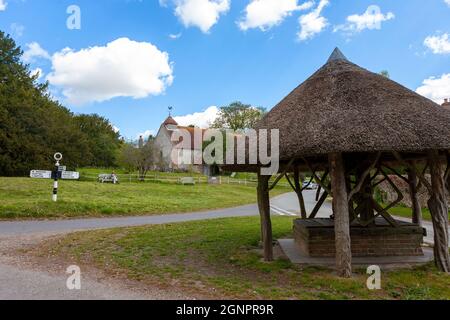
345, 108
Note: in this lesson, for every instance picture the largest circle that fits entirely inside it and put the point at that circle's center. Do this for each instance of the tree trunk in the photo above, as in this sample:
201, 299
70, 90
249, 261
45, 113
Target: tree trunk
439, 213
416, 207
341, 215
264, 211
298, 190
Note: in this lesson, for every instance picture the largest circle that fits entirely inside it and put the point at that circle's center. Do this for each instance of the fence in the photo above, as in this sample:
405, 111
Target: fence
165, 178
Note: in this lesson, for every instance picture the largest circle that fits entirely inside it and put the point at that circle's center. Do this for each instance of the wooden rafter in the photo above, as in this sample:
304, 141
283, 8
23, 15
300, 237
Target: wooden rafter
410, 166
363, 177
319, 205
281, 175
318, 180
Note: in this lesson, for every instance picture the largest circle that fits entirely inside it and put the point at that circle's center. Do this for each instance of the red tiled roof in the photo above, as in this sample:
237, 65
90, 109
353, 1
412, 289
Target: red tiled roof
170, 121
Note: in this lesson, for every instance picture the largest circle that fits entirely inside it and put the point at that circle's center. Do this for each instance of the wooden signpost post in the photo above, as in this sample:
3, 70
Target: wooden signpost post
59, 173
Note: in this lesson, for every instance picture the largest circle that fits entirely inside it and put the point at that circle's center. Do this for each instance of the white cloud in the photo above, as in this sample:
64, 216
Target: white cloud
199, 119
203, 14
313, 22
265, 14
122, 68
447, 2
371, 19
33, 52
17, 29
3, 5
438, 44
38, 72
116, 129
175, 36
436, 89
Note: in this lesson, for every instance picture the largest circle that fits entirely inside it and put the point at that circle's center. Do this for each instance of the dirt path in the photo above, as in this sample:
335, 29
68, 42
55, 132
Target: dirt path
24, 278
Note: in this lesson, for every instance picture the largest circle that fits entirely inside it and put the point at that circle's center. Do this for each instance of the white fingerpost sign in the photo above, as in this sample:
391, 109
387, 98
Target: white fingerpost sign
41, 174
70, 175
58, 173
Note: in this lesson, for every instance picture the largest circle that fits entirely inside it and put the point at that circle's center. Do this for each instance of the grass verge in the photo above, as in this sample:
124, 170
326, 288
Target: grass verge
407, 213
22, 198
221, 259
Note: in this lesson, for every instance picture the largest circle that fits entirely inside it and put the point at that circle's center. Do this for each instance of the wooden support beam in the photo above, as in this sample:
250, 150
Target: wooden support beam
281, 175
439, 212
341, 215
384, 213
318, 180
409, 166
413, 192
319, 190
319, 205
264, 211
362, 179
299, 191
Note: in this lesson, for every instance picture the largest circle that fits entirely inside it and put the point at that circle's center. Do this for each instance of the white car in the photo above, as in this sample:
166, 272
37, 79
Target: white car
310, 186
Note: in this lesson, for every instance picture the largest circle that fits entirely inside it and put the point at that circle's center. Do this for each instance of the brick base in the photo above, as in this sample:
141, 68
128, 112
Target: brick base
316, 238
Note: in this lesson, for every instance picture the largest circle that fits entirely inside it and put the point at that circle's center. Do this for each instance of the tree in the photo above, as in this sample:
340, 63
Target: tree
33, 126
238, 116
102, 140
385, 73
141, 157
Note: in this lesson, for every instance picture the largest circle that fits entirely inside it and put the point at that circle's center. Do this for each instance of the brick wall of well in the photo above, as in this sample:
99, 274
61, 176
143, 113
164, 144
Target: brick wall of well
366, 242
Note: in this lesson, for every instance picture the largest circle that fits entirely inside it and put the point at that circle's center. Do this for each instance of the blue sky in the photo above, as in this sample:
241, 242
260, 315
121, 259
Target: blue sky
194, 54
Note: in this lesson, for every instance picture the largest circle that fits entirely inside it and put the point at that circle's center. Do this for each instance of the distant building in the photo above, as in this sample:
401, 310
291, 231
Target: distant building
186, 155
446, 104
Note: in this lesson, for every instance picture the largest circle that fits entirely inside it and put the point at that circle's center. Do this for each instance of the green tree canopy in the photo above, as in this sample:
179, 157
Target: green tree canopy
238, 116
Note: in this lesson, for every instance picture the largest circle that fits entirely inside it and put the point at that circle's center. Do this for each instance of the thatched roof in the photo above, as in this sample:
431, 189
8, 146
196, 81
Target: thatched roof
345, 108
446, 104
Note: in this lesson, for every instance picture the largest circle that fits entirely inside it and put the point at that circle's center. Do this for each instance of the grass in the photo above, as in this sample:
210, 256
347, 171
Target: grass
22, 198
407, 213
221, 259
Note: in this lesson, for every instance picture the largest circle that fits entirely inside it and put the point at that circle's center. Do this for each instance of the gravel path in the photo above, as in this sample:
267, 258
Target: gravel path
24, 278
22, 284
21, 280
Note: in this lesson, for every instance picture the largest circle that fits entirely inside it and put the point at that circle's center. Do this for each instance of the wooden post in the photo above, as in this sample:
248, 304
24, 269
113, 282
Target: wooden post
416, 207
364, 198
341, 215
319, 190
439, 212
319, 204
298, 190
264, 211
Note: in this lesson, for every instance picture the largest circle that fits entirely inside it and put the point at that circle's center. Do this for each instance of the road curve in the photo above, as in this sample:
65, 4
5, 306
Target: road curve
285, 205
18, 228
